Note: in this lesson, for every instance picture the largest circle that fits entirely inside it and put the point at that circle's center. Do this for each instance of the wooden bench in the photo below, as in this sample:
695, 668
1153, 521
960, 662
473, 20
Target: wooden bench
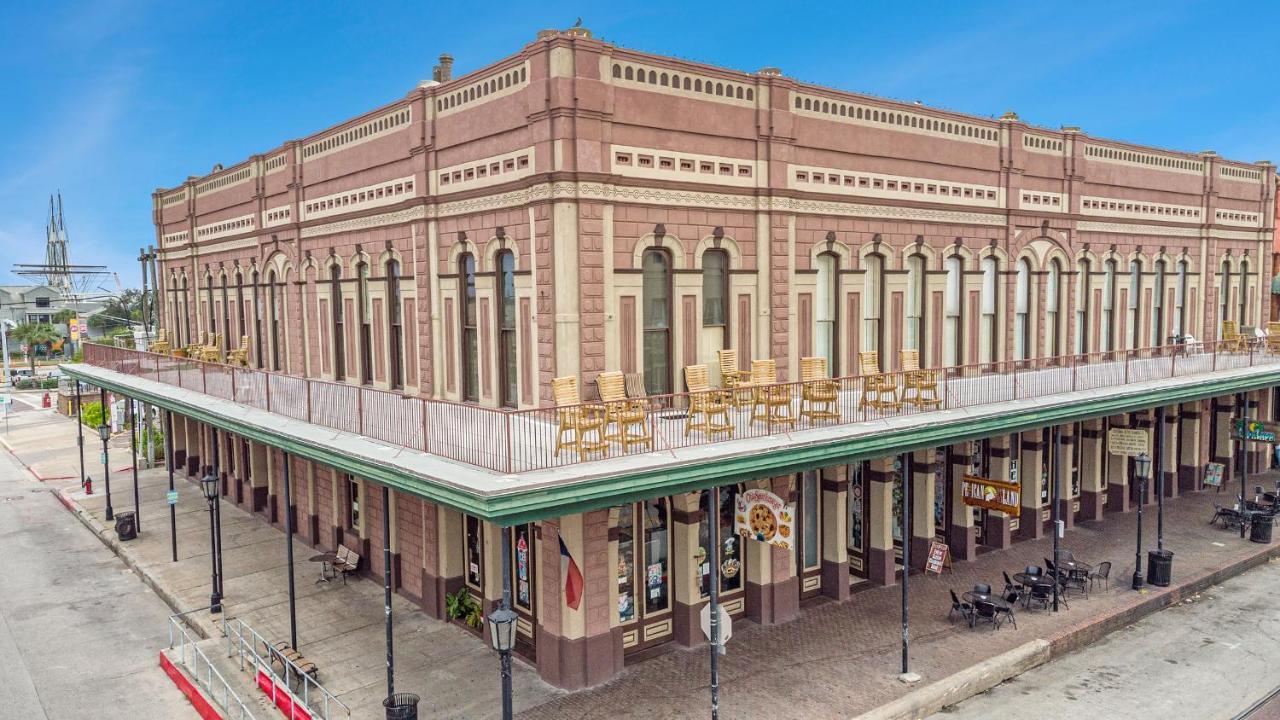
347, 562
281, 651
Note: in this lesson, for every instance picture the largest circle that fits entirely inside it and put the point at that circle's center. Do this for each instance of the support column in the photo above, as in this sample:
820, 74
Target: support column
922, 526
1146, 420
579, 647
774, 596
194, 449
1191, 460
444, 577
1066, 503
962, 537
998, 532
881, 568
1169, 451
835, 532
1030, 522
258, 474
1224, 448
1117, 472
176, 432
687, 556
1092, 495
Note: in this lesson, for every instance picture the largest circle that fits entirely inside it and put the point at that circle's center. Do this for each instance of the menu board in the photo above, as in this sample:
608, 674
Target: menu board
939, 557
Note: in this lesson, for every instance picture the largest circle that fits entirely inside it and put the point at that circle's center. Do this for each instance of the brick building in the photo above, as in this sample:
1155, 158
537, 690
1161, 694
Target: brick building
578, 208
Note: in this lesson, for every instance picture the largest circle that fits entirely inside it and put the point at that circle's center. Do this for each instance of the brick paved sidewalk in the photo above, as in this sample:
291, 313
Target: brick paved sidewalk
838, 661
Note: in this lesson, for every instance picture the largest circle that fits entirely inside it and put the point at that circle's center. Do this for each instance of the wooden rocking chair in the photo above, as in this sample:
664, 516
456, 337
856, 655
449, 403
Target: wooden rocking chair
194, 349
210, 352
772, 402
161, 343
819, 395
1232, 340
737, 382
629, 417
708, 408
874, 381
1273, 337
920, 387
240, 356
576, 419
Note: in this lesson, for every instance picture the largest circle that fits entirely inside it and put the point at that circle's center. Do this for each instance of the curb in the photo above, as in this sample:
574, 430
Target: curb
203, 706
979, 678
104, 535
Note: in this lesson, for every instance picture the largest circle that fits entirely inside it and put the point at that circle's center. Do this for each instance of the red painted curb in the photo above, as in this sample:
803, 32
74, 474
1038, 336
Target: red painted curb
197, 699
66, 501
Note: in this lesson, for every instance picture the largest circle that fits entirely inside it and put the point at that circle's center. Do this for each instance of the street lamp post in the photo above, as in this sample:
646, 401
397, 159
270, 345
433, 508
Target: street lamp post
104, 432
1142, 468
209, 484
502, 625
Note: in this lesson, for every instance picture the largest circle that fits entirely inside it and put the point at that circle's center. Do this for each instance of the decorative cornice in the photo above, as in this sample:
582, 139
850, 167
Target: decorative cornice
1138, 229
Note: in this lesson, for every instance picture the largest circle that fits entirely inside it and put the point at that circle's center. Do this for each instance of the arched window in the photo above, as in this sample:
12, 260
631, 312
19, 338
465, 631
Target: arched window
1084, 295
468, 316
339, 326
1224, 294
1022, 312
364, 312
826, 341
273, 320
1243, 293
715, 293
1180, 301
953, 313
184, 322
508, 360
990, 332
873, 304
208, 301
395, 326
1135, 304
656, 268
257, 322
240, 321
1157, 306
1053, 310
226, 308
1108, 307
915, 330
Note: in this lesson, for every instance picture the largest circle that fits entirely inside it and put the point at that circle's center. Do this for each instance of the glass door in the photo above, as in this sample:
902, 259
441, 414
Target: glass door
979, 466
858, 511
941, 495
731, 558
809, 533
523, 564
644, 575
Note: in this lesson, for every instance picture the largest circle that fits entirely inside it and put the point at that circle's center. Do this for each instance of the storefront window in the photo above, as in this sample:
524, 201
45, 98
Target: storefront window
626, 565
656, 543
522, 566
730, 544
1046, 456
940, 475
353, 503
474, 548
897, 500
856, 517
809, 520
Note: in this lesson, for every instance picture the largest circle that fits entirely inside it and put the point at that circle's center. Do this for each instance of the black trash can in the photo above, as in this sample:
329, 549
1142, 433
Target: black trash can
401, 706
1159, 567
126, 526
1260, 528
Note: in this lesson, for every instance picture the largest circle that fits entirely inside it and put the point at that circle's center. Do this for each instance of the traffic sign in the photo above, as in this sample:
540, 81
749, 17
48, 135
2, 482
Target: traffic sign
726, 623
1124, 441
172, 497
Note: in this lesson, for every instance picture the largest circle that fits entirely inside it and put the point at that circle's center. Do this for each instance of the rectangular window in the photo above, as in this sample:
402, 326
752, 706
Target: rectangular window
353, 504
656, 544
473, 547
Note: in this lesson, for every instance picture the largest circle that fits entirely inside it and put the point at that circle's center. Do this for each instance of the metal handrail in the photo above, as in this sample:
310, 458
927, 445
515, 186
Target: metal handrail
231, 702
245, 641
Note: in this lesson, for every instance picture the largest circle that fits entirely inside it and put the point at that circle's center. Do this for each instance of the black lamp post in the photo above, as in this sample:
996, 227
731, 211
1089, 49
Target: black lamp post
1142, 468
209, 484
104, 432
502, 625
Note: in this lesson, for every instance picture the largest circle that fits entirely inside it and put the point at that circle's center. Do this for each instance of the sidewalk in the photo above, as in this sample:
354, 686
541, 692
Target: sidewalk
835, 661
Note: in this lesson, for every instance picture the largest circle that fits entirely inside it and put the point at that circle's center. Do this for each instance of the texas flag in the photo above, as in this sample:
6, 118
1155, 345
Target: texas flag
572, 577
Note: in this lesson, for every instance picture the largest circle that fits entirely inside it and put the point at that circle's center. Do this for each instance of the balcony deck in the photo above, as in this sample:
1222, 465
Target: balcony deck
491, 461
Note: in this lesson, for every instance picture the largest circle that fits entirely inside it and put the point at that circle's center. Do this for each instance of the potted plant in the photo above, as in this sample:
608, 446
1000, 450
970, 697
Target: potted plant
462, 606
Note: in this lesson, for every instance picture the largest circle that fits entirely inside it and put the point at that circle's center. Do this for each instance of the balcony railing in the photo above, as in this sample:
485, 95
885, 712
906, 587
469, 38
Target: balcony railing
513, 441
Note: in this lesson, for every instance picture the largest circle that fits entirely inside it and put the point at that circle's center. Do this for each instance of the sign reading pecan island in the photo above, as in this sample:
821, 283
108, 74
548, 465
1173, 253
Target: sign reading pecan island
991, 494
761, 515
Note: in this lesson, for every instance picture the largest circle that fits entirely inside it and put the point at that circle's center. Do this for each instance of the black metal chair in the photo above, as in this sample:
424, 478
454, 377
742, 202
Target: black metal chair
1103, 573
1007, 612
986, 611
1033, 570
959, 606
1012, 590
982, 588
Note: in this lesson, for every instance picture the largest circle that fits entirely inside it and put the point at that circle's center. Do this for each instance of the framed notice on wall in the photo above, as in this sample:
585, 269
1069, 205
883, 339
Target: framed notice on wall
1213, 474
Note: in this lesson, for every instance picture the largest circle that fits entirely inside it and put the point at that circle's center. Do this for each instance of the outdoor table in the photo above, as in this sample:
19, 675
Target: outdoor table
975, 597
326, 560
1027, 580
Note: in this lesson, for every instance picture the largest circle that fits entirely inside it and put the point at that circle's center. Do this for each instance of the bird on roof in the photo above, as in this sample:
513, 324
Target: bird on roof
578, 24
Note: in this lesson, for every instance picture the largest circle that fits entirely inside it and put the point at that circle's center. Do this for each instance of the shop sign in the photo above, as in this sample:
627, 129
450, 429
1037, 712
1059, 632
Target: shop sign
991, 494
1256, 430
1213, 474
939, 557
1124, 441
763, 516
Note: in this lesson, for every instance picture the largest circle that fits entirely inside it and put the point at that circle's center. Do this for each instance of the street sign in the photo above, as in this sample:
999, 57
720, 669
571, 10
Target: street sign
172, 497
1123, 441
1256, 430
726, 623
991, 494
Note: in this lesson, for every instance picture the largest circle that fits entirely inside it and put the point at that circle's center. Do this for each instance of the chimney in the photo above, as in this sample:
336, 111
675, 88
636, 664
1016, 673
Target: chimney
444, 71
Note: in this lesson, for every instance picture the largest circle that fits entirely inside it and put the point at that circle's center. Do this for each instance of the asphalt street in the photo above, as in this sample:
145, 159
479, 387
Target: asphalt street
79, 633
1206, 659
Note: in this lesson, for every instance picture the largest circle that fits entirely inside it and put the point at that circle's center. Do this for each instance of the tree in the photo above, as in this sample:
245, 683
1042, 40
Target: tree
64, 317
118, 311
36, 335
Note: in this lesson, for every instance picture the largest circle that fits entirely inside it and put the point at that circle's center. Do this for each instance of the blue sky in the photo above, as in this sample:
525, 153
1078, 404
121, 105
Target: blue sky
109, 99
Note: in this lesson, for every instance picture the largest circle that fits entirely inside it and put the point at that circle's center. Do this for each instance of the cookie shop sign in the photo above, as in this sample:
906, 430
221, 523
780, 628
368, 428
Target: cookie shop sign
763, 516
991, 494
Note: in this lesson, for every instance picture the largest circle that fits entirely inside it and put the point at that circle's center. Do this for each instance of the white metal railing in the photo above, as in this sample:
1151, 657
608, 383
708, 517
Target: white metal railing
255, 651
197, 664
